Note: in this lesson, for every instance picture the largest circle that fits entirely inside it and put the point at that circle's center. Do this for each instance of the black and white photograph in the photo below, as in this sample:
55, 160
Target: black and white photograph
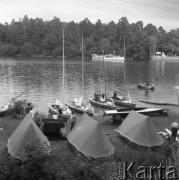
89, 90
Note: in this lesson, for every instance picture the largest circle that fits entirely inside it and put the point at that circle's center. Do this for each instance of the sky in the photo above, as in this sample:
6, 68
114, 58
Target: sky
163, 13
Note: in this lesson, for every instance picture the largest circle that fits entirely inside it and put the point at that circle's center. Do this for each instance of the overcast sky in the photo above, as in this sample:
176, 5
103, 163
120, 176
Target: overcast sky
163, 13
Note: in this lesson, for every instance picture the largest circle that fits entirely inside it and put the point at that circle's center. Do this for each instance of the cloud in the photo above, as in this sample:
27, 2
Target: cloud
158, 12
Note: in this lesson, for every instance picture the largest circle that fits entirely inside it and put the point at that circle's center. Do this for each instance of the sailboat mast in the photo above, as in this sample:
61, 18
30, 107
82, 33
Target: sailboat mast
63, 68
104, 68
82, 66
124, 64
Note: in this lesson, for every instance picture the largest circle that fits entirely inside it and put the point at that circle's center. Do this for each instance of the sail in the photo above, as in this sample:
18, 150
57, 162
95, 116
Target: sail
57, 102
78, 102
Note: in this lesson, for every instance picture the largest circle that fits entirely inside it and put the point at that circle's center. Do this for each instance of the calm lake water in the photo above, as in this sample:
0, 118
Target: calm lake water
46, 77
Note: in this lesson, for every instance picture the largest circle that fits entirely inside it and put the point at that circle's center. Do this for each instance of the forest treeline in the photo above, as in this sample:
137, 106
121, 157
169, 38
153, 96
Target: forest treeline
37, 37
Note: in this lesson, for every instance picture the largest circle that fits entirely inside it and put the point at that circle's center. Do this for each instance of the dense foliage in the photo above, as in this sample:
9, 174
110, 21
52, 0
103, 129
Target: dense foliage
38, 37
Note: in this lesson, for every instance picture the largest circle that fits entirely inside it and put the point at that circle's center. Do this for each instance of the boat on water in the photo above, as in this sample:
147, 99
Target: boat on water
108, 104
145, 87
101, 99
142, 110
54, 109
81, 109
108, 57
121, 101
158, 103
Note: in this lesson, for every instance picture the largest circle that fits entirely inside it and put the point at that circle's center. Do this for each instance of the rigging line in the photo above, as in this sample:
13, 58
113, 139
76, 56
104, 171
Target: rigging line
82, 67
63, 68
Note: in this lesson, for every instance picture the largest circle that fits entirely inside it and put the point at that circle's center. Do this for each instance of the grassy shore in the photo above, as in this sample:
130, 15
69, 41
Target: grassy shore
71, 163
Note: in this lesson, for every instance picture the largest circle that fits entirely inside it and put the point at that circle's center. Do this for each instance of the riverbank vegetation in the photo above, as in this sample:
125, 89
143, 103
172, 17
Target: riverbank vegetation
37, 37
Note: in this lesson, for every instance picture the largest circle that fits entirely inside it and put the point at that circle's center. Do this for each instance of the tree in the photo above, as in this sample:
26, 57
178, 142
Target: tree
104, 44
50, 42
27, 49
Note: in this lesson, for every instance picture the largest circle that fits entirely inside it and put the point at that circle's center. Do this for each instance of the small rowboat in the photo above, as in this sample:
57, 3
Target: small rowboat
158, 103
53, 109
107, 104
141, 86
145, 111
79, 109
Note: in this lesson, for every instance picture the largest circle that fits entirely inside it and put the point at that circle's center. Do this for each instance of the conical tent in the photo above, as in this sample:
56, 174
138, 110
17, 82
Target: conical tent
27, 132
89, 138
140, 130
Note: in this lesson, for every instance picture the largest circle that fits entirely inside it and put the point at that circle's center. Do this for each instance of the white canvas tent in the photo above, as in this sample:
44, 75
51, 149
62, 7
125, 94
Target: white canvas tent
139, 129
27, 132
89, 138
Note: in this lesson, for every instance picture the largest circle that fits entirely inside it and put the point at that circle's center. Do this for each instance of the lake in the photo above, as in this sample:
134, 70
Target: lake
46, 77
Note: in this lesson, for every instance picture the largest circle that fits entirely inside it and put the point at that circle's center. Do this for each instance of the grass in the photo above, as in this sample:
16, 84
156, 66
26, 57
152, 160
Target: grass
66, 163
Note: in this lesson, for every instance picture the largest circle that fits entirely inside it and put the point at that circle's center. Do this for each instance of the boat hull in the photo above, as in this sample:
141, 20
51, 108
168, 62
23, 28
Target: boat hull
145, 111
79, 109
107, 58
124, 103
159, 103
141, 86
116, 59
101, 104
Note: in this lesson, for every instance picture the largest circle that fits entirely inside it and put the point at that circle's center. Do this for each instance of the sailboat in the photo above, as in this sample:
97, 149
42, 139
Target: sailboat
122, 100
55, 107
77, 105
101, 100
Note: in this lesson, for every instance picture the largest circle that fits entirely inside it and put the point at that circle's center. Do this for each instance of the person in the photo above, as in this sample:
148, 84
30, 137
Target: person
147, 83
114, 95
28, 108
173, 141
174, 130
73, 119
96, 96
60, 114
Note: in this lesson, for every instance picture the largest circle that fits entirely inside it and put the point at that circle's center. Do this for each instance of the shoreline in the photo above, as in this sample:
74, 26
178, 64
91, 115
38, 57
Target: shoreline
164, 58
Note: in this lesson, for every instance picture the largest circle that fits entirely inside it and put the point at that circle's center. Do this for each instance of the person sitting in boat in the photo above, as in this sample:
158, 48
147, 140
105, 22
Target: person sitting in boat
96, 96
60, 114
28, 108
147, 84
102, 98
99, 96
115, 95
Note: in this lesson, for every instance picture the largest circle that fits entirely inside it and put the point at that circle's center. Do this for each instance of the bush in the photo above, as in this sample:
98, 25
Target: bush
39, 165
16, 109
27, 49
9, 50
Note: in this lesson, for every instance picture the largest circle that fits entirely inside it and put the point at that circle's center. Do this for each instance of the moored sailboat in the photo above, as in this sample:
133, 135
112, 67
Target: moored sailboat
102, 100
54, 108
77, 105
123, 100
